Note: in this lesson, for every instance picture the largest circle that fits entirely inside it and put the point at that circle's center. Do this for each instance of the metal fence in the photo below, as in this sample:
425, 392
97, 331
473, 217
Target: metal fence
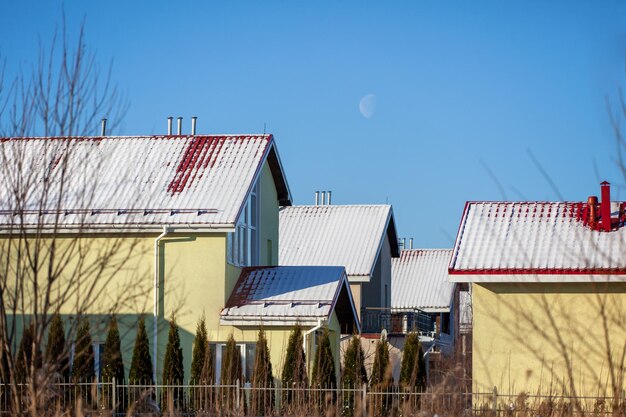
122, 399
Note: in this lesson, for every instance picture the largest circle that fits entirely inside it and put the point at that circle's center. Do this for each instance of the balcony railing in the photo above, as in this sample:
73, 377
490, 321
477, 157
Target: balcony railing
374, 320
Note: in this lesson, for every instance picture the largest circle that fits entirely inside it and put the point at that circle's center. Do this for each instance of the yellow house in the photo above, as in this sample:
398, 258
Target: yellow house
185, 214
548, 294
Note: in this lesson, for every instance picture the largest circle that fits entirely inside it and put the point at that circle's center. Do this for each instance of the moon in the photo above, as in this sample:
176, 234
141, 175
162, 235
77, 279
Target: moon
367, 105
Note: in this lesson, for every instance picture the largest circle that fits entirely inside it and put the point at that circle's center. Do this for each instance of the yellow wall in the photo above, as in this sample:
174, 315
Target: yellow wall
278, 338
530, 336
195, 279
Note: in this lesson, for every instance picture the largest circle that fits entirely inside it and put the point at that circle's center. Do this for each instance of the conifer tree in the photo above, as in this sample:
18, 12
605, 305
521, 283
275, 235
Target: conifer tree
294, 369
25, 354
413, 368
173, 372
380, 371
262, 378
83, 369
409, 357
354, 374
231, 372
381, 379
324, 364
56, 354
201, 368
231, 363
112, 362
199, 355
418, 376
141, 363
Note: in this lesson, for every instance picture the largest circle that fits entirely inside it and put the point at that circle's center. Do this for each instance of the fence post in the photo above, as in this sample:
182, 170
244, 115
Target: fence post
238, 398
114, 407
495, 400
364, 400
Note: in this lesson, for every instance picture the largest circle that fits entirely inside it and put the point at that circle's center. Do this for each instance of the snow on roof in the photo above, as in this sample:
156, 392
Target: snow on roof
524, 238
289, 294
147, 180
419, 280
346, 235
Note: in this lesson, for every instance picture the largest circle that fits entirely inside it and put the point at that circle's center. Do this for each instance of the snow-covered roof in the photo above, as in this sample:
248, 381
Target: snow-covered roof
419, 280
117, 182
500, 241
346, 235
284, 295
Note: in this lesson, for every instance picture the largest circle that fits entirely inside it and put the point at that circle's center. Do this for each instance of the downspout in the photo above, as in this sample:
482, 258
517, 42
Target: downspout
306, 334
156, 299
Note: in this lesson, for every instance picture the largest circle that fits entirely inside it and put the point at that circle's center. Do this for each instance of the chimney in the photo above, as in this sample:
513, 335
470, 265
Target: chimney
103, 127
330, 193
180, 126
592, 205
411, 243
193, 125
605, 207
317, 198
169, 125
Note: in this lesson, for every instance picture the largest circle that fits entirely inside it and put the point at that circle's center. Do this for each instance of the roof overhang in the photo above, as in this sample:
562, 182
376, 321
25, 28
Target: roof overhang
116, 228
358, 278
537, 278
263, 321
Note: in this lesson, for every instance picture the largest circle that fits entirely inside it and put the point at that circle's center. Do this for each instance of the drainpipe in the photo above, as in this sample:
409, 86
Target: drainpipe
306, 335
156, 299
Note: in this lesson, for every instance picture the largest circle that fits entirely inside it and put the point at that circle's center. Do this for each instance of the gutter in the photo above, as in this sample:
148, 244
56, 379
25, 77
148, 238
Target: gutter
166, 230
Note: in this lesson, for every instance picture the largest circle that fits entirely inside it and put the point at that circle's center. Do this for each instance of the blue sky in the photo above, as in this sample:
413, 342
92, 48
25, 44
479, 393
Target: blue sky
465, 92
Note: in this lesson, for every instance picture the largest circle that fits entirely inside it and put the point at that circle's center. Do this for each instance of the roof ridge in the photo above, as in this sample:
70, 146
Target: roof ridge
165, 136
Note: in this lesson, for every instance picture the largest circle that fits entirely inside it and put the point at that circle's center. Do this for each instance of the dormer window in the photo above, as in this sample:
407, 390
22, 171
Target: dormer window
243, 244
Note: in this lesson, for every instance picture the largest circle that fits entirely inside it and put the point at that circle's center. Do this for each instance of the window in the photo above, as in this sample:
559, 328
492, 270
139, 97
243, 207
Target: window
243, 243
445, 323
98, 355
247, 351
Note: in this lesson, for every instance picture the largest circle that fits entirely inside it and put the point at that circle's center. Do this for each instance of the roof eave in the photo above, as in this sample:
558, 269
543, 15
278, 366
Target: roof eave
537, 278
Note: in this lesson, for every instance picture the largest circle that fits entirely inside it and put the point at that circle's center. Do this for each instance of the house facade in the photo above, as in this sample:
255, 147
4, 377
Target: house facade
423, 301
185, 215
362, 238
548, 282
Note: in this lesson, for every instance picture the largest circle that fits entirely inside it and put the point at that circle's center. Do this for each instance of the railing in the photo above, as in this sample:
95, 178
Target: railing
373, 320
121, 399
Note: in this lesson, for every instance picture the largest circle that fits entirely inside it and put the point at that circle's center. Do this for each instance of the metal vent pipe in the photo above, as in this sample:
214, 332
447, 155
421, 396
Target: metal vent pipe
317, 198
323, 202
169, 125
103, 127
410, 243
180, 126
193, 124
330, 194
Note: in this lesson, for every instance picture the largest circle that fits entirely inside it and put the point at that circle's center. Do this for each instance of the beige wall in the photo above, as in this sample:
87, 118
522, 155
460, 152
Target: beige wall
355, 287
530, 336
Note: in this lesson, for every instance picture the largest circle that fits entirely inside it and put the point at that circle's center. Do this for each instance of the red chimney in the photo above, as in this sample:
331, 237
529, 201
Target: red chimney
605, 207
